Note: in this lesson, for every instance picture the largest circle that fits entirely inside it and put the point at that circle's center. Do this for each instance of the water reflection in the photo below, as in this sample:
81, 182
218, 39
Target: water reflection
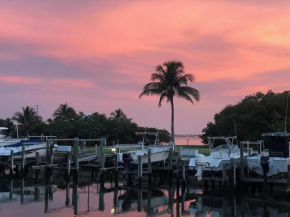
70, 198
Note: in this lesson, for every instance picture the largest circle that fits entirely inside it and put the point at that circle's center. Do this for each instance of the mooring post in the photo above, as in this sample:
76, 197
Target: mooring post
102, 156
149, 169
47, 153
139, 205
242, 164
233, 173
116, 170
11, 162
288, 182
51, 153
224, 173
11, 189
37, 159
75, 197
23, 159
183, 171
68, 158
140, 170
67, 193
76, 159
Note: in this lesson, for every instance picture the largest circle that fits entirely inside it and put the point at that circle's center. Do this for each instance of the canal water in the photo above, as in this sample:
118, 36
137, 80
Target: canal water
188, 141
58, 198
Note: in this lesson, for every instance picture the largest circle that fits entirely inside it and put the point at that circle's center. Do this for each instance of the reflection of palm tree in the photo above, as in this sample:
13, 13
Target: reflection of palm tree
171, 82
64, 112
118, 114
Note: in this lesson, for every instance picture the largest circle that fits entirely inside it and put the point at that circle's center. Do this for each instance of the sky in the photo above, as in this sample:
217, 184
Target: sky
97, 55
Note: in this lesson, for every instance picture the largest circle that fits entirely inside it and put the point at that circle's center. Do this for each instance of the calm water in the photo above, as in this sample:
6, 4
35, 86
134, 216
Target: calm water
188, 140
88, 199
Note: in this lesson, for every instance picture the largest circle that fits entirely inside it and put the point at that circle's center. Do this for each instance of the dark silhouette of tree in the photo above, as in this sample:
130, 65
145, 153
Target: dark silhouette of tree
64, 112
168, 82
118, 115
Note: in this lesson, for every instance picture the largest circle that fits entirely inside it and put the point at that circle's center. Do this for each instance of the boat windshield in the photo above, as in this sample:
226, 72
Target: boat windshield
221, 147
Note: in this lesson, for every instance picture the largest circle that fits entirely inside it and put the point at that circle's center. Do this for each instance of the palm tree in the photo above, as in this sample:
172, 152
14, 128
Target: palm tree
26, 117
64, 112
118, 114
170, 81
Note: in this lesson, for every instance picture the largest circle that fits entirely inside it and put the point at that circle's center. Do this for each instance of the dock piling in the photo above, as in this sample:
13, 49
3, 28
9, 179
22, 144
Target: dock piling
11, 162
37, 160
23, 159
140, 170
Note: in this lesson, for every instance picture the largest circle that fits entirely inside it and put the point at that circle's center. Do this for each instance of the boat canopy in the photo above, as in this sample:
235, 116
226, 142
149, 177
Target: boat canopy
3, 128
276, 134
228, 140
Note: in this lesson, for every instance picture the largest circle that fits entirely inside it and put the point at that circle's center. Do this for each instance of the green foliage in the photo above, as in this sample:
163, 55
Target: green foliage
94, 126
255, 114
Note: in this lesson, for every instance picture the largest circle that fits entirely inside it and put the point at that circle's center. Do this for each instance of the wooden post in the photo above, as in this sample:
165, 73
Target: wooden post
233, 181
23, 158
224, 173
76, 159
242, 162
288, 181
67, 193
68, 165
75, 197
183, 171
116, 170
139, 205
47, 153
11, 162
37, 159
51, 153
102, 157
170, 159
140, 170
149, 162
11, 189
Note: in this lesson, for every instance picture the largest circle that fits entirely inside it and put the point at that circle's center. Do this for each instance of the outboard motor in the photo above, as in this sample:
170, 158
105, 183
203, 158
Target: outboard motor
200, 161
127, 159
264, 162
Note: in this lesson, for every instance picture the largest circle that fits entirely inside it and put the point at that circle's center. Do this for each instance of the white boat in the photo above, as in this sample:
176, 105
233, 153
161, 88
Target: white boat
4, 140
275, 160
31, 147
219, 156
159, 153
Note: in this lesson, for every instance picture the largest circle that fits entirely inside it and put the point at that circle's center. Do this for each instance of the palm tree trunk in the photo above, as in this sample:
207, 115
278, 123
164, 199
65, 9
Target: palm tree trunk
172, 121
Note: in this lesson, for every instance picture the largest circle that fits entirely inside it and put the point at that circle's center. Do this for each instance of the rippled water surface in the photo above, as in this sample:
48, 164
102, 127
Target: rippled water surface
57, 197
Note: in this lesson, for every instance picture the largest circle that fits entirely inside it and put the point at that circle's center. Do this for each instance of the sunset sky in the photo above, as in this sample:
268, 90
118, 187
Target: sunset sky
98, 55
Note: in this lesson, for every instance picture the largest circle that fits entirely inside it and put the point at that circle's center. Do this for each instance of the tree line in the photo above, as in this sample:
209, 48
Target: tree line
67, 123
255, 114
168, 82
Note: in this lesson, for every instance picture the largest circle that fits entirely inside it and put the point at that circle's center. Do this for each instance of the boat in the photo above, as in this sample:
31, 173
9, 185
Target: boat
32, 145
4, 140
159, 153
218, 157
273, 161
